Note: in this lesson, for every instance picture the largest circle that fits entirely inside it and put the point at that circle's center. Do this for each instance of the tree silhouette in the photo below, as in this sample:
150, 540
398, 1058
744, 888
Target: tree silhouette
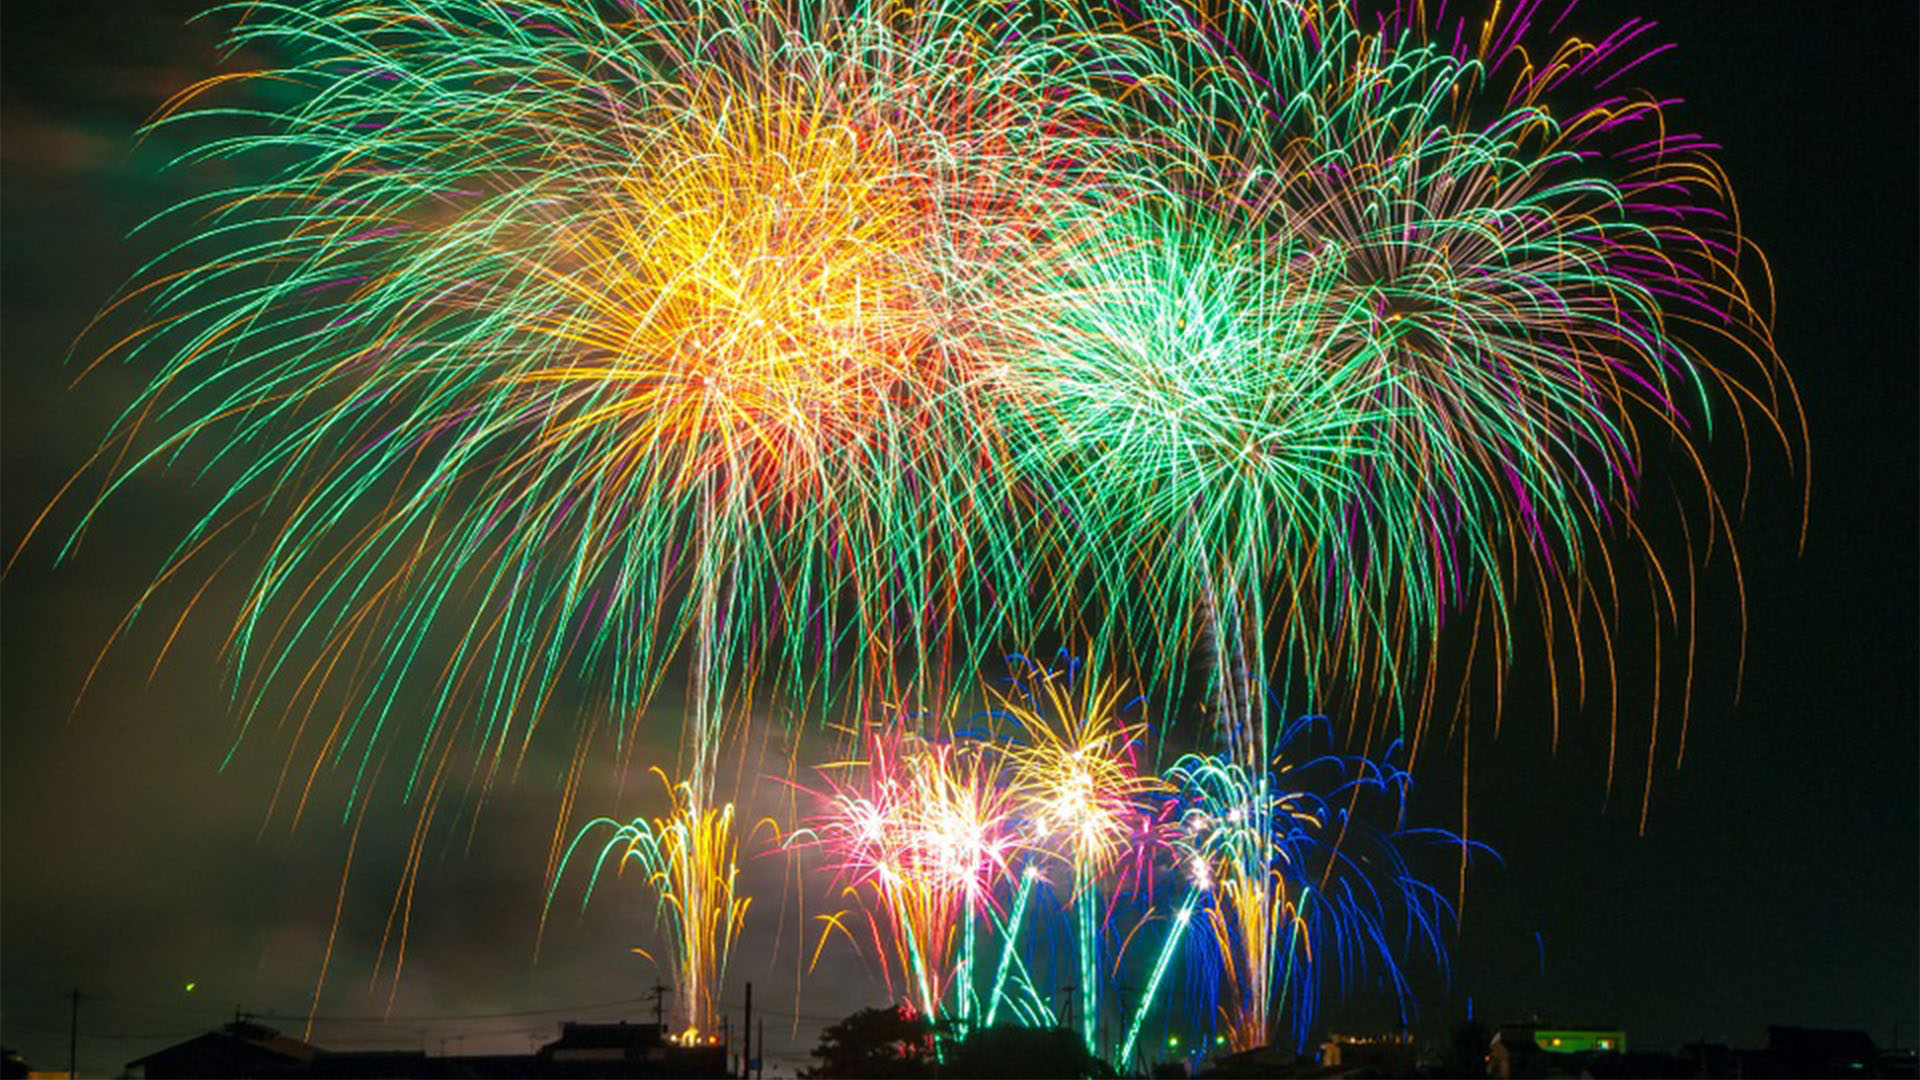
881, 1042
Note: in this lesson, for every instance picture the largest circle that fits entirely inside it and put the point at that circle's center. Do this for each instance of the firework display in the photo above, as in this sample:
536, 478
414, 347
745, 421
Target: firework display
1384, 337
850, 342
924, 829
578, 346
820, 349
1080, 781
690, 858
1281, 883
1308, 880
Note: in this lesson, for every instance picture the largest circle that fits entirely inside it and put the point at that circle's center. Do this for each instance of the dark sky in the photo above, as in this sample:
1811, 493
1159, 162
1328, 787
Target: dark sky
1775, 881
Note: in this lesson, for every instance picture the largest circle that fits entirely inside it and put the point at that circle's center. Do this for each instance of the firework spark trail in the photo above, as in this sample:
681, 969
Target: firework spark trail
1176, 933
1079, 782
1010, 939
934, 829
690, 857
922, 831
1307, 870
1187, 410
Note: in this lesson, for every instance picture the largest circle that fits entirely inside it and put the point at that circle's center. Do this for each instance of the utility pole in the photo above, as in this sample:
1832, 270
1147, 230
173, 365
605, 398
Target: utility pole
660, 992
73, 1034
746, 1034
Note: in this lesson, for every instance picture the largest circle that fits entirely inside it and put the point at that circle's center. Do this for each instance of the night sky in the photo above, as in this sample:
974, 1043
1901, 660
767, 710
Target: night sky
1775, 881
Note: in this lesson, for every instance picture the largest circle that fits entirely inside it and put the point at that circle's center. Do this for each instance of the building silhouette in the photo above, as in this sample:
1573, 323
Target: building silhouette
582, 1052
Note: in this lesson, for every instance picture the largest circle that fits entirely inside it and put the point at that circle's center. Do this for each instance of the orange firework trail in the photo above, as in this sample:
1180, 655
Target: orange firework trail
592, 342
691, 861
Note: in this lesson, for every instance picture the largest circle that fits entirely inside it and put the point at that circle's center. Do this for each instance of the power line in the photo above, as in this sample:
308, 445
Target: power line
325, 1018
61, 1029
